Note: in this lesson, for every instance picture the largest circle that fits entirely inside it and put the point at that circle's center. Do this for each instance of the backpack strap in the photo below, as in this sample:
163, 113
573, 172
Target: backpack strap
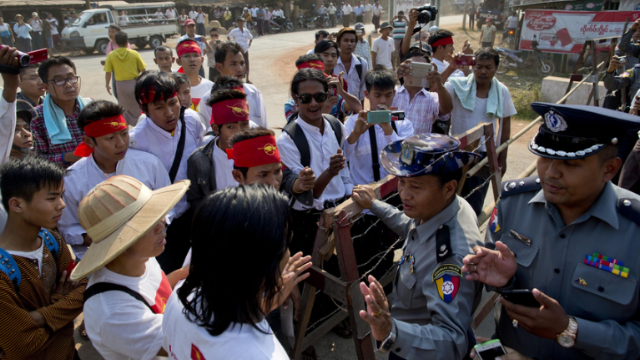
9, 266
50, 242
359, 67
297, 135
180, 149
101, 287
394, 126
375, 159
336, 125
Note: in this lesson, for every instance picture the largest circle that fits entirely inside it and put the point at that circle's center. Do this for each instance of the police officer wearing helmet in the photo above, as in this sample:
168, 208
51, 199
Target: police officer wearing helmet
571, 237
433, 305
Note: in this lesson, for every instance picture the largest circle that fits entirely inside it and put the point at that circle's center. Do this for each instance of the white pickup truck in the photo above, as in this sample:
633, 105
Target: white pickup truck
145, 23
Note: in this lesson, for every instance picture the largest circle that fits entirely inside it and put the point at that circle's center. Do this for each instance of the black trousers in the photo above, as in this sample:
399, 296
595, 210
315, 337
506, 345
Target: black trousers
178, 243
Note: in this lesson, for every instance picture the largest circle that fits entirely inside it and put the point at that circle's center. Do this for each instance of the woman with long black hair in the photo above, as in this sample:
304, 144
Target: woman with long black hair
241, 270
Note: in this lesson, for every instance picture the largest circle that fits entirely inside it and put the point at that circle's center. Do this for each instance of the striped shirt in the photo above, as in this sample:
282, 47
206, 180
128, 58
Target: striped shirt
42, 141
422, 110
20, 338
399, 29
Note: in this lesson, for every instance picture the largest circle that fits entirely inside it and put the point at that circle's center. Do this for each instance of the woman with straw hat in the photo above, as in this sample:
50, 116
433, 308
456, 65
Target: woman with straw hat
127, 291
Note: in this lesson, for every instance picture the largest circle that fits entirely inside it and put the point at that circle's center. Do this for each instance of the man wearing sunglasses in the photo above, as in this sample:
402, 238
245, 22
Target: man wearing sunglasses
54, 129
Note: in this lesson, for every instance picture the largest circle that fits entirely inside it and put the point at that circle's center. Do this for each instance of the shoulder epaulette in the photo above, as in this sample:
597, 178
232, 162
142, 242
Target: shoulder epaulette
519, 186
630, 208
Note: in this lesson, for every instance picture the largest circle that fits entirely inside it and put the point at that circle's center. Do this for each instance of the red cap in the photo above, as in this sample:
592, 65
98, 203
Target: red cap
255, 152
189, 22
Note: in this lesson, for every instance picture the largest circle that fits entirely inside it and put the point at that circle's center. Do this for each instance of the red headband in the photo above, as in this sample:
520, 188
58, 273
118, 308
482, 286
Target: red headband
228, 111
313, 64
100, 128
149, 96
188, 47
442, 42
255, 152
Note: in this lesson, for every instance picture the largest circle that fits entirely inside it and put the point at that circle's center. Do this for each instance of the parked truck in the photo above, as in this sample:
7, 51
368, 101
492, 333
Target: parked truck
493, 9
141, 21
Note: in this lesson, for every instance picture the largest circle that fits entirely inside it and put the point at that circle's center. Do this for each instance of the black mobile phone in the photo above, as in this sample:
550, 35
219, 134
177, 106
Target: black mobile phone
520, 297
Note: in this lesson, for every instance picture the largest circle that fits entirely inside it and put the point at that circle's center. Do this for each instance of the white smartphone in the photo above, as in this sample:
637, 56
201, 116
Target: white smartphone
489, 350
418, 76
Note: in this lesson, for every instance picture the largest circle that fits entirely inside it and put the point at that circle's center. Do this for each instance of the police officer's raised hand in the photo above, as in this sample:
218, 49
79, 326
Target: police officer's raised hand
492, 267
635, 26
614, 64
546, 321
363, 195
377, 315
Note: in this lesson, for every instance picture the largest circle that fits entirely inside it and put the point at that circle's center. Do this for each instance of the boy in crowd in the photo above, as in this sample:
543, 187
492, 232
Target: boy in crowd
31, 86
190, 28
38, 300
230, 62
421, 106
163, 57
105, 152
190, 58
339, 104
383, 48
320, 35
209, 168
324, 155
211, 54
492, 104
125, 299
171, 133
56, 133
364, 164
126, 65
352, 65
441, 42
22, 138
242, 36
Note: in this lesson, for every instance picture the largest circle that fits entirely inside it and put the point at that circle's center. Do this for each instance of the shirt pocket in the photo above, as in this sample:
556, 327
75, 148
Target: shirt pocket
525, 254
203, 184
405, 285
603, 293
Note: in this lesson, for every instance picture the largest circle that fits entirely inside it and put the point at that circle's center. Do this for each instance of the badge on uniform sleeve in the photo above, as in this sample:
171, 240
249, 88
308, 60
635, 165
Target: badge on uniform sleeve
494, 226
447, 279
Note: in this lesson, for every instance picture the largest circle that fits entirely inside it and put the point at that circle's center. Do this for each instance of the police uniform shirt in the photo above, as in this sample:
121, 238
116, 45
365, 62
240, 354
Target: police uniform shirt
629, 48
604, 305
629, 79
433, 305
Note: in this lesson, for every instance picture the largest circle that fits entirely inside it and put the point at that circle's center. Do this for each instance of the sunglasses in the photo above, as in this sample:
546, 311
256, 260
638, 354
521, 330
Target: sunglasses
306, 98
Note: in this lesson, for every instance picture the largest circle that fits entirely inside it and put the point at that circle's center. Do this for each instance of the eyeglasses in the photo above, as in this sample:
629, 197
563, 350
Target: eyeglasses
214, 35
306, 98
71, 80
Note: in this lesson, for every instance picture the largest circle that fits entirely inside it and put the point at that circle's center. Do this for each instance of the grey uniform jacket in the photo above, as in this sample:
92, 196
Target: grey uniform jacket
630, 79
629, 48
428, 327
606, 307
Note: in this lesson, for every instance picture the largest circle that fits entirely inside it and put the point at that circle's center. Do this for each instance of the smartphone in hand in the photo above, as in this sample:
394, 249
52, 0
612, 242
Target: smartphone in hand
521, 297
466, 60
489, 350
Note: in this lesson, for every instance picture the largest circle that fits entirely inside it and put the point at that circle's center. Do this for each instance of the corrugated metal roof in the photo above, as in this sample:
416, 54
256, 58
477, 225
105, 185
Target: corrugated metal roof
27, 3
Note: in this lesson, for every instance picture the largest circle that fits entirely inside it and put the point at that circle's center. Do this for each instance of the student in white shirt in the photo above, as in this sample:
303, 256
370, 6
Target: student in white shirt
441, 42
105, 152
230, 62
223, 317
128, 291
193, 13
243, 37
159, 133
383, 48
351, 63
190, 58
380, 93
211, 162
327, 160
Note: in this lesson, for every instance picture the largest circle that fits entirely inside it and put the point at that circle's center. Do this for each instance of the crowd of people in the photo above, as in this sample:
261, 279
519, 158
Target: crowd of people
191, 224
33, 34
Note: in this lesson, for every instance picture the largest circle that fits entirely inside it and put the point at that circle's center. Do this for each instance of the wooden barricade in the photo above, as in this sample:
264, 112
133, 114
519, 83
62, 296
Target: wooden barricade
334, 237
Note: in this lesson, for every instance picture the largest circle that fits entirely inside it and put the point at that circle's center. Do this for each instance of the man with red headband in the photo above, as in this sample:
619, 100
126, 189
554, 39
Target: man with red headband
104, 152
339, 104
441, 42
190, 58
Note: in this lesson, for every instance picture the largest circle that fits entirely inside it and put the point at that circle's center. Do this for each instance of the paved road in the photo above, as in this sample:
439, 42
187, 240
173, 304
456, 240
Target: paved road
272, 59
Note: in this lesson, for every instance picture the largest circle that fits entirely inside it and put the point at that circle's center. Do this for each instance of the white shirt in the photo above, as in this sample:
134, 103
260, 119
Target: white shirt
332, 10
368, 7
122, 327
278, 13
170, 14
158, 15
223, 167
254, 12
312, 51
384, 51
463, 119
149, 137
241, 37
85, 174
442, 65
33, 255
360, 163
198, 91
7, 129
356, 86
321, 147
54, 26
512, 22
377, 10
186, 338
193, 14
200, 18
346, 10
255, 102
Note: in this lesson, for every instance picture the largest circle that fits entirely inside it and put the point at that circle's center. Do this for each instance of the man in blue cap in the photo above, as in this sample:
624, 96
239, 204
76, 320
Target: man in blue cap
571, 237
433, 305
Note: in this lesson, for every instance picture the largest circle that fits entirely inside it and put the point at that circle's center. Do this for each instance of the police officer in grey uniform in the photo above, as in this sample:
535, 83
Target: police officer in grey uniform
629, 79
571, 237
433, 305
629, 45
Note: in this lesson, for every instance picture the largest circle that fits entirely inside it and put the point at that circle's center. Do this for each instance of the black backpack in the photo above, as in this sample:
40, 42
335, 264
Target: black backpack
297, 135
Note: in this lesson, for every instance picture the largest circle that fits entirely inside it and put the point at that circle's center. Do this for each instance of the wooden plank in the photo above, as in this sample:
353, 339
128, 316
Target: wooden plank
327, 283
483, 310
322, 329
346, 253
471, 135
492, 155
357, 304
